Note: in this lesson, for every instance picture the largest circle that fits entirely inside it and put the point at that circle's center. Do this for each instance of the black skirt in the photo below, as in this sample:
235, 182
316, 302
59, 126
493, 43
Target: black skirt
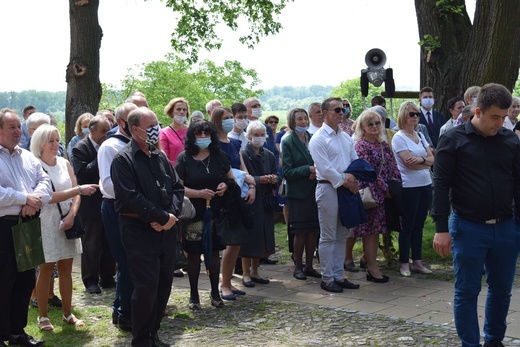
303, 216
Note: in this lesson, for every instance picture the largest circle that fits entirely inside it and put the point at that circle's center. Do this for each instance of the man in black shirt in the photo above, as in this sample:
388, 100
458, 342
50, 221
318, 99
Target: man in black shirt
149, 196
478, 166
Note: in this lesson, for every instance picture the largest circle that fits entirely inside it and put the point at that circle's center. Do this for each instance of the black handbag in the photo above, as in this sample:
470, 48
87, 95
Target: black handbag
77, 230
230, 234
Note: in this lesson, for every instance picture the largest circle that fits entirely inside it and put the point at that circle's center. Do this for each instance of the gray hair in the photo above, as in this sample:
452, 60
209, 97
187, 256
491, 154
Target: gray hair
380, 110
254, 125
125, 109
41, 136
314, 104
37, 117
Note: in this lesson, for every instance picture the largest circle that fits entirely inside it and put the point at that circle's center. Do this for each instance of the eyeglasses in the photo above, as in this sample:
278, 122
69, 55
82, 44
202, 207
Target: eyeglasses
414, 114
346, 105
273, 122
202, 132
374, 124
338, 110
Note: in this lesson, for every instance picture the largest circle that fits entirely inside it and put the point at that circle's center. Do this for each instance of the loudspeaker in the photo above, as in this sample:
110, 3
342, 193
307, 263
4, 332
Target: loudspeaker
389, 83
375, 58
364, 83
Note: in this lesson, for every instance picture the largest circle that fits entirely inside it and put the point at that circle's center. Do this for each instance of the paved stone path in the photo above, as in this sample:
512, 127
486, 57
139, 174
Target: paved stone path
412, 311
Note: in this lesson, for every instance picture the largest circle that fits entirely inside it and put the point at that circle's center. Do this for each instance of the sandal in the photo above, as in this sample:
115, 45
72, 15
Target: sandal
45, 324
72, 320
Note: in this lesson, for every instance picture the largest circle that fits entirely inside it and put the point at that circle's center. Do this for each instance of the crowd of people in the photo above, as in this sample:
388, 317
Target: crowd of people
131, 182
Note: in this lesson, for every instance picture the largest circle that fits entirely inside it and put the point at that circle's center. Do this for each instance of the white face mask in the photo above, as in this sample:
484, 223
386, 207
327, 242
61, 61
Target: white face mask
427, 102
241, 124
258, 141
179, 119
256, 112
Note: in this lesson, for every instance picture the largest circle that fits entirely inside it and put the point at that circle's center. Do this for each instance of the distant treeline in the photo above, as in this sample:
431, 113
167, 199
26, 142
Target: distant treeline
277, 98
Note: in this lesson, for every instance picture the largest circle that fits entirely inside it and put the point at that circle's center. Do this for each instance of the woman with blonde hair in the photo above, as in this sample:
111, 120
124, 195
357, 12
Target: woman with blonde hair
371, 147
172, 137
81, 130
57, 248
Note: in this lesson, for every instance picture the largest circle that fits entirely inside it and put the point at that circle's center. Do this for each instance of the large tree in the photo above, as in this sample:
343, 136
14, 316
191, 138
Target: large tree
456, 53
195, 29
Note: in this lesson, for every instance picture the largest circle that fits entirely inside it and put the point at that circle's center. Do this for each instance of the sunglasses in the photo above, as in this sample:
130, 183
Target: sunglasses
273, 122
346, 105
339, 110
376, 124
414, 114
203, 132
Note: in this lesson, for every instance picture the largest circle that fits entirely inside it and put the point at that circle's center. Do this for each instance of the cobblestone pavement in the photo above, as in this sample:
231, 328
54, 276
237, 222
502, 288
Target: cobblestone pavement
262, 318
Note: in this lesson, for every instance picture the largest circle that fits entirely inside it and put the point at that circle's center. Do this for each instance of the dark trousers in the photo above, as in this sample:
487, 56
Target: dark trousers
151, 259
416, 201
97, 262
124, 285
15, 288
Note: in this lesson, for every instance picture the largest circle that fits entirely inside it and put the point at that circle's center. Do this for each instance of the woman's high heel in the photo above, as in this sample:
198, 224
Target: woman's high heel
375, 279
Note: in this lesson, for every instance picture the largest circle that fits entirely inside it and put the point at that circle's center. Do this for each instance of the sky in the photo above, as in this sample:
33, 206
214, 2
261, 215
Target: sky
322, 42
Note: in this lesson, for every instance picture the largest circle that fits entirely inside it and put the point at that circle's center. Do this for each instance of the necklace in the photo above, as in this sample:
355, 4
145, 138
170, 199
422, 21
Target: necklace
206, 166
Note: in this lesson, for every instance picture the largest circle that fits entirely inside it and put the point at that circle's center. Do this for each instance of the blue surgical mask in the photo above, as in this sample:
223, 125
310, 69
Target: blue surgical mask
346, 111
203, 142
85, 131
228, 124
300, 129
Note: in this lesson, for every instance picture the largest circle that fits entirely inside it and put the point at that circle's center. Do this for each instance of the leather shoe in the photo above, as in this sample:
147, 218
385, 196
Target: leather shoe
124, 324
108, 283
299, 275
371, 278
311, 273
55, 301
93, 289
230, 297
178, 274
351, 267
158, 343
260, 280
238, 292
25, 340
347, 284
248, 284
331, 287
494, 344
268, 261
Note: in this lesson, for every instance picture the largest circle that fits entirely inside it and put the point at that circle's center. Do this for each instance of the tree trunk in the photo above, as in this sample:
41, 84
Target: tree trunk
82, 76
469, 54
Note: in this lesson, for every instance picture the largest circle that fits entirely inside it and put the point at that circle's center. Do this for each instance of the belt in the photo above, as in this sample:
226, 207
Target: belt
131, 215
12, 217
109, 200
324, 181
497, 220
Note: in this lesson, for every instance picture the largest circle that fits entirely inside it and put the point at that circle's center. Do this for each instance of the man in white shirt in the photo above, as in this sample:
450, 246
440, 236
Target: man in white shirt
24, 187
239, 111
332, 151
316, 117
121, 314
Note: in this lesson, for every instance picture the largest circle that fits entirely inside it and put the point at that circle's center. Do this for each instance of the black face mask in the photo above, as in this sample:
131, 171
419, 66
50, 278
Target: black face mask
126, 129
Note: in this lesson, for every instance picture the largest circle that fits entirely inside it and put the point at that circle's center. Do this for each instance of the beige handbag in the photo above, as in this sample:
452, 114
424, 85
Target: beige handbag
366, 194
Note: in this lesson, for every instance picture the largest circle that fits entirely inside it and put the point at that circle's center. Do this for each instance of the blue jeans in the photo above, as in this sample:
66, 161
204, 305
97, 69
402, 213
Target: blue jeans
475, 247
124, 285
416, 201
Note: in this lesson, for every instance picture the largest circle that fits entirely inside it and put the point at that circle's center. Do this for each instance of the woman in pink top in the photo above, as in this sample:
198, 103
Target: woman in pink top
172, 136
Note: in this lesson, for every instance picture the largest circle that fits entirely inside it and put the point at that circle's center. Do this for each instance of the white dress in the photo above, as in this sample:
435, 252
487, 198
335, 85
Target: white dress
56, 246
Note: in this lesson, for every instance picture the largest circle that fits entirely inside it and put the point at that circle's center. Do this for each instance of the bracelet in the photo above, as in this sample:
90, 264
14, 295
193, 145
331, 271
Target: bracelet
423, 160
80, 190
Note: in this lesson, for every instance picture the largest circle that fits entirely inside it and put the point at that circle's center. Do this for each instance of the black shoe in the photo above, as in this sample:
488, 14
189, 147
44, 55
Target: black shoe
260, 280
34, 303
178, 273
248, 284
108, 283
93, 289
268, 261
494, 344
299, 275
331, 287
218, 303
375, 279
158, 343
347, 284
124, 324
311, 273
238, 292
55, 301
194, 304
362, 263
25, 340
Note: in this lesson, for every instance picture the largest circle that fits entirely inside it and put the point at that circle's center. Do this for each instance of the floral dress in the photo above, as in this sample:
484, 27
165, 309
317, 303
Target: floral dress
373, 153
